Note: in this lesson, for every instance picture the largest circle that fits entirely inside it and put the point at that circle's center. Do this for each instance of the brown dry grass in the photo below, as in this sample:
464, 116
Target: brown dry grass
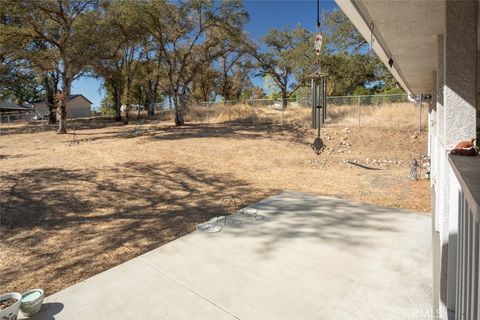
71, 211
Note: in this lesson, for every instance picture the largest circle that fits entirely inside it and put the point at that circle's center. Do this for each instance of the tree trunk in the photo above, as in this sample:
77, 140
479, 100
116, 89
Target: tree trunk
127, 111
284, 99
127, 105
64, 97
179, 118
179, 111
52, 115
151, 108
62, 119
151, 105
50, 100
118, 105
154, 96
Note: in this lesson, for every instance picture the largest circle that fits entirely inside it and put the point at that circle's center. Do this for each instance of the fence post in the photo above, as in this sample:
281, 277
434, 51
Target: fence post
420, 116
253, 114
359, 111
229, 111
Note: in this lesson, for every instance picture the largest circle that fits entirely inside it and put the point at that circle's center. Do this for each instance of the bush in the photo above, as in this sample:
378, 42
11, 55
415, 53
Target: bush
107, 108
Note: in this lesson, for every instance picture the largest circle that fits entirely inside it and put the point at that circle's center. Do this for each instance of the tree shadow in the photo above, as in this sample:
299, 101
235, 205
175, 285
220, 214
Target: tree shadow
62, 226
161, 130
232, 130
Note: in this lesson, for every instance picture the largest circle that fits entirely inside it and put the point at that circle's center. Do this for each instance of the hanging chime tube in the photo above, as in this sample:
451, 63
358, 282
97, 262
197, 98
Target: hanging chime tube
324, 104
314, 104
318, 107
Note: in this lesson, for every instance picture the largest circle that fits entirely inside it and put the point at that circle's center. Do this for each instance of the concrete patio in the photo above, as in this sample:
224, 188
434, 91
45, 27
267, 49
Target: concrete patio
310, 258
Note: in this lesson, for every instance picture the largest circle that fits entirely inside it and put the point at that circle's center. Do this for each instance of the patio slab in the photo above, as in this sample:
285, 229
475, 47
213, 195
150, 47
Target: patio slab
310, 258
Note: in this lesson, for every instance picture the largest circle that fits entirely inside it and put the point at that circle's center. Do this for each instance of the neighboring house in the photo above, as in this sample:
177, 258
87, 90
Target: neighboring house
10, 111
432, 48
77, 107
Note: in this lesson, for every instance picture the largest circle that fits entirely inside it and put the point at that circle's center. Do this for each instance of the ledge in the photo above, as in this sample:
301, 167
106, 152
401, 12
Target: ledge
467, 171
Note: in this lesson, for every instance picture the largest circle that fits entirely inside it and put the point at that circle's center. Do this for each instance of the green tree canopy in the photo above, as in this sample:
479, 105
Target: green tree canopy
63, 34
288, 60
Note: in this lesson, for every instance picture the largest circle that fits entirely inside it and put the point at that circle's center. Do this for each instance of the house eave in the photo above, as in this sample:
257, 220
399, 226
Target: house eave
405, 31
360, 18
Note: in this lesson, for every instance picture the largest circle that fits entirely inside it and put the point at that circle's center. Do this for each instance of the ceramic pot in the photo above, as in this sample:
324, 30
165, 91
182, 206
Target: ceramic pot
11, 312
31, 302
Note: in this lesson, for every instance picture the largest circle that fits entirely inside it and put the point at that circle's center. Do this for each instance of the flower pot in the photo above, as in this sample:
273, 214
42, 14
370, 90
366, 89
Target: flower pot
11, 311
31, 302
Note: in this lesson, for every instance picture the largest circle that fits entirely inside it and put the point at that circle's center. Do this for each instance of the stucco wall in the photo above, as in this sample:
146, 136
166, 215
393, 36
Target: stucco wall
455, 122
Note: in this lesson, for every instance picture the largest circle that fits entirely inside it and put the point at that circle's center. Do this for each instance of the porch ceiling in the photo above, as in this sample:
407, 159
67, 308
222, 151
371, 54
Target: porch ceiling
406, 31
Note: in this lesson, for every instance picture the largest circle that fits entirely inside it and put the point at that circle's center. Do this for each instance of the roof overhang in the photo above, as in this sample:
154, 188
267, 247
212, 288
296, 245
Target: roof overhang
14, 106
406, 32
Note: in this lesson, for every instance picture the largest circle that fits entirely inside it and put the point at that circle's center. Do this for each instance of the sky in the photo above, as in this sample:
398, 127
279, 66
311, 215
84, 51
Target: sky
264, 15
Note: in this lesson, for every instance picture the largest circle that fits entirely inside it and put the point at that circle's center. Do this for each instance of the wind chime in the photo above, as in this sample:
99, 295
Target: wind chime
319, 92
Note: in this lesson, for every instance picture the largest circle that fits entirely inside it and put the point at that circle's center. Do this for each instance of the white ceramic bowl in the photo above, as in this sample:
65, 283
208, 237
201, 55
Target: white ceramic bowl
31, 302
250, 211
10, 313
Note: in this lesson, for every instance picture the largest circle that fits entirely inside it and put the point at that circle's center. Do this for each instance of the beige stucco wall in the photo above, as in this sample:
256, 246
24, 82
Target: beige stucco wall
78, 107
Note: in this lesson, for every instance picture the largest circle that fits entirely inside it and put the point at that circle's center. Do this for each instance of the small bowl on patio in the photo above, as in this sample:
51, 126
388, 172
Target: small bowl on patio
250, 211
31, 302
9, 305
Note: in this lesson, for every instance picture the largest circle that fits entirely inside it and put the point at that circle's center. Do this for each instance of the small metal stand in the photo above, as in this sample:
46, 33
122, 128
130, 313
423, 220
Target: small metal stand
74, 137
236, 216
319, 108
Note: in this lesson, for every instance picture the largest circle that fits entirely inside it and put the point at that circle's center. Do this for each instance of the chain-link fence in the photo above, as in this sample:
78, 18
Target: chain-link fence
12, 116
394, 110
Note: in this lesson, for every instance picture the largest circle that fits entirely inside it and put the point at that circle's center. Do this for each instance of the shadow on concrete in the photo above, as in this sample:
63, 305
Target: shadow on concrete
48, 311
342, 223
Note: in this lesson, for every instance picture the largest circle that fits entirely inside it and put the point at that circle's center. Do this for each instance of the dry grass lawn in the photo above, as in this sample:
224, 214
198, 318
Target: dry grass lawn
69, 211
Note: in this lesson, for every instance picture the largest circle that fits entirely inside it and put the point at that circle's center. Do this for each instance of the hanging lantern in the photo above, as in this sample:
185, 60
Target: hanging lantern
318, 43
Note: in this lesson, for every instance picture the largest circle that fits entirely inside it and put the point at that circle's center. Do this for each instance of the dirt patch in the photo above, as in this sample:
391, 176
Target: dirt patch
75, 210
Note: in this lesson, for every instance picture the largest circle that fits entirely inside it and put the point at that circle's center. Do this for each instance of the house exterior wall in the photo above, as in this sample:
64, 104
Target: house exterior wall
451, 29
41, 107
78, 107
454, 120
